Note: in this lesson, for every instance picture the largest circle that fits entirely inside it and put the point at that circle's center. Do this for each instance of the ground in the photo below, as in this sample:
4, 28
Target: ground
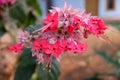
73, 66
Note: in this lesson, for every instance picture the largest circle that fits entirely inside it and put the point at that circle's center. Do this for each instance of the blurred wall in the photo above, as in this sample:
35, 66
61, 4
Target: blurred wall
43, 7
74, 3
103, 12
96, 7
60, 3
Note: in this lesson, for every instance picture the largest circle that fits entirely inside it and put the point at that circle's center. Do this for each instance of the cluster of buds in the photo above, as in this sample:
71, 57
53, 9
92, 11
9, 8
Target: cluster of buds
4, 2
63, 30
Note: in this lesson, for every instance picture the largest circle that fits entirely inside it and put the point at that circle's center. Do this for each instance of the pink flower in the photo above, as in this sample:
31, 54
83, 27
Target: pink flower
77, 47
16, 48
56, 49
3, 2
52, 19
11, 1
81, 47
70, 28
72, 47
86, 33
63, 31
48, 48
73, 28
39, 44
96, 26
79, 21
64, 45
25, 39
53, 49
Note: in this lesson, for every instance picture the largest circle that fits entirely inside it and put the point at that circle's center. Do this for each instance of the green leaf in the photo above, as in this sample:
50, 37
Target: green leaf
116, 25
18, 13
2, 31
46, 75
34, 77
32, 28
95, 77
108, 57
30, 19
118, 54
23, 12
35, 5
26, 66
117, 72
24, 73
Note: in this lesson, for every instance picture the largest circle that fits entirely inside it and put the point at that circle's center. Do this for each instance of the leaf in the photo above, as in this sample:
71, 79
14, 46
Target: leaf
95, 77
26, 66
108, 57
46, 75
30, 19
117, 72
35, 4
32, 28
118, 54
24, 73
116, 25
2, 31
18, 12
34, 77
23, 12
2, 28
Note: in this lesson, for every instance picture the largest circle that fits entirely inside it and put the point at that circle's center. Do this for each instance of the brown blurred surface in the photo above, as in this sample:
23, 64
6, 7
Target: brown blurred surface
73, 66
7, 60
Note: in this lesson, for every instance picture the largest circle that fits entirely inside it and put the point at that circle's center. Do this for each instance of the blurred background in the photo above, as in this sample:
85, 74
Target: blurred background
100, 62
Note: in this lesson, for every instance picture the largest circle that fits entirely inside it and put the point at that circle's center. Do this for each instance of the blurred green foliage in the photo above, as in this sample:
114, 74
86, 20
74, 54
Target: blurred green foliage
115, 62
19, 15
26, 66
116, 25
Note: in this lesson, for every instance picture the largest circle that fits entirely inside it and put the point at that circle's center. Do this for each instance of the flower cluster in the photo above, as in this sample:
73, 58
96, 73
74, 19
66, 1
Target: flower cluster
4, 2
16, 48
58, 47
63, 30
